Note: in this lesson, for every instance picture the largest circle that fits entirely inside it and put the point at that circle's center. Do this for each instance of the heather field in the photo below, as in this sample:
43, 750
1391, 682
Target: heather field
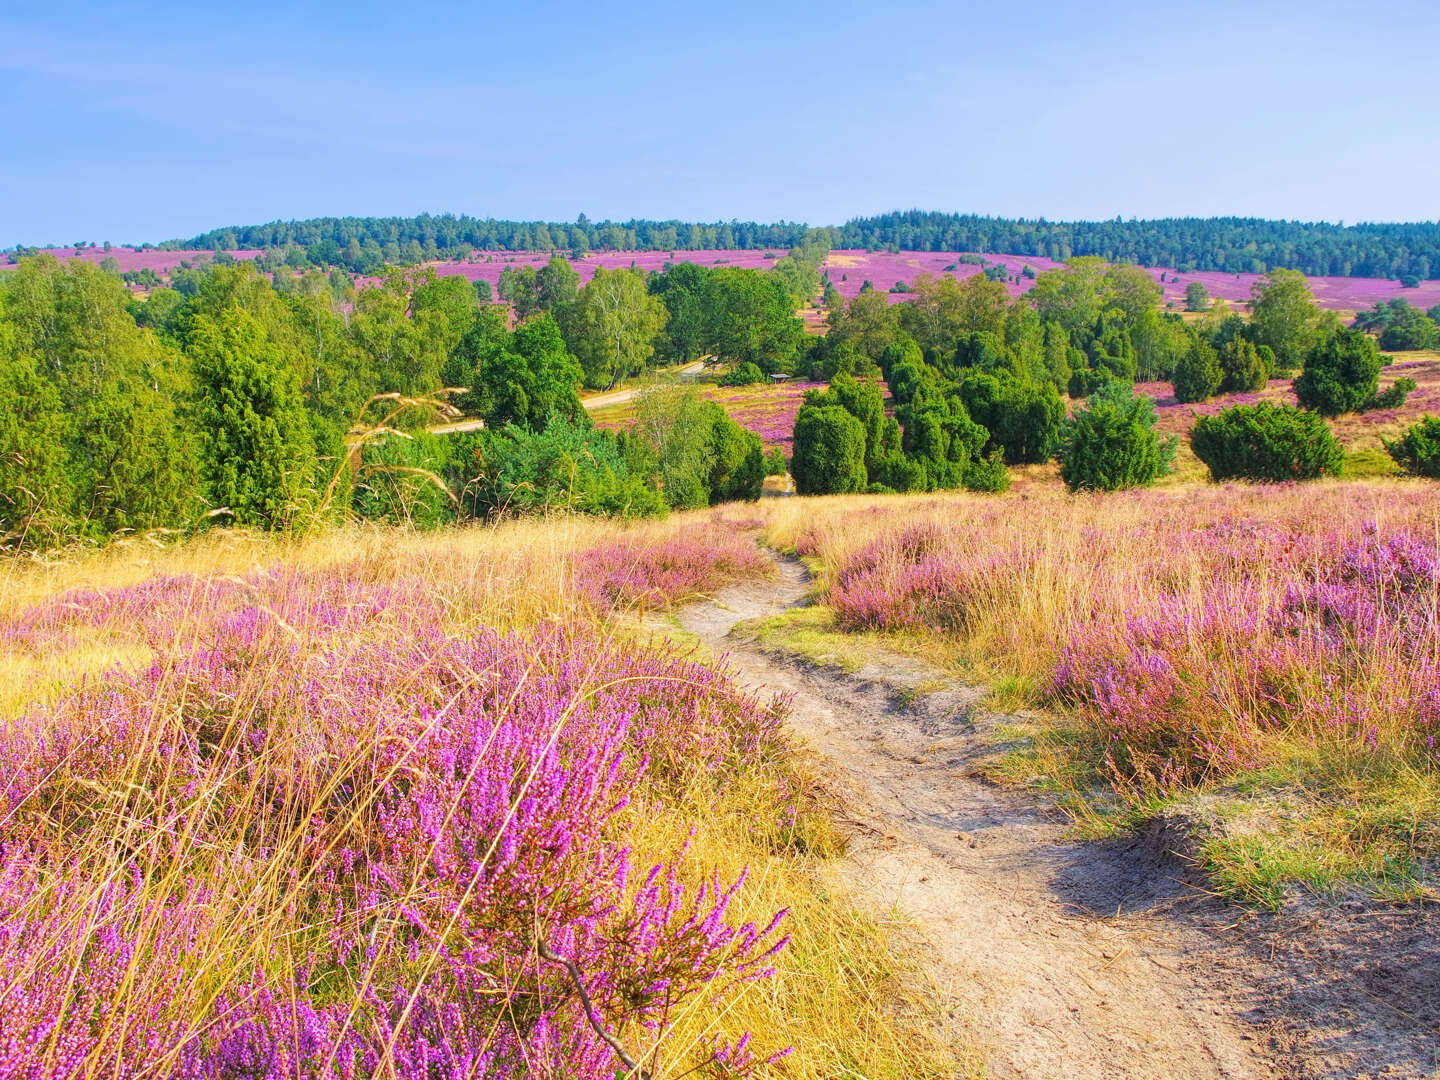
1259, 661
377, 804
848, 269
767, 409
1362, 434
161, 262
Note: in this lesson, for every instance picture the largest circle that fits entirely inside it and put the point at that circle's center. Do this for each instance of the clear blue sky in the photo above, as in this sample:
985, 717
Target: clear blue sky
149, 121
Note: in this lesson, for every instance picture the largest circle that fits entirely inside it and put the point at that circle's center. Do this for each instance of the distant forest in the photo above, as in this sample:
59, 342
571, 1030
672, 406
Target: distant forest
1233, 245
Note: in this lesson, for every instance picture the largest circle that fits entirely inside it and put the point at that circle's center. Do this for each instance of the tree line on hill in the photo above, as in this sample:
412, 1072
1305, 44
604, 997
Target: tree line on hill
1409, 252
976, 380
1231, 245
240, 399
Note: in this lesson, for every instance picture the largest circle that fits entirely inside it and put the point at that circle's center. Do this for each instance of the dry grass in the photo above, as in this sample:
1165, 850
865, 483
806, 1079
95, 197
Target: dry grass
1345, 800
846, 995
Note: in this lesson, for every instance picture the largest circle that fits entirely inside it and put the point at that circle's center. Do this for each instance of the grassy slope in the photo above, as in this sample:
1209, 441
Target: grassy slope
843, 988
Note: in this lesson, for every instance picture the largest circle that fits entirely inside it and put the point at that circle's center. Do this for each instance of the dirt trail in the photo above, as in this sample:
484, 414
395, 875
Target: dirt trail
1077, 960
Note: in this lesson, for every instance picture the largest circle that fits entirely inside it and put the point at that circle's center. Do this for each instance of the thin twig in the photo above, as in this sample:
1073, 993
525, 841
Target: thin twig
547, 953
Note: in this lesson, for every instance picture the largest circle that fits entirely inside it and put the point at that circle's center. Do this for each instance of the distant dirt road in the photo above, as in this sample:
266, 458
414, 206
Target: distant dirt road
619, 397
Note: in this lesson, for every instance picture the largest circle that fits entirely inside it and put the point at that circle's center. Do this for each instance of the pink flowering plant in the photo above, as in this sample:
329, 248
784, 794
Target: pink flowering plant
328, 830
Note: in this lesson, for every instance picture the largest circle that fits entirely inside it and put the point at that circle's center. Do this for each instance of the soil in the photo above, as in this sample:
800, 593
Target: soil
1070, 959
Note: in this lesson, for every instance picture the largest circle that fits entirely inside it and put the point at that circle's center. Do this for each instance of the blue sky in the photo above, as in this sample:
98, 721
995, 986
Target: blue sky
134, 122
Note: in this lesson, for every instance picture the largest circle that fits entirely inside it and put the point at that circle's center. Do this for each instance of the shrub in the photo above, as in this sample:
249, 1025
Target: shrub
259, 451
775, 462
1111, 444
1198, 374
400, 481
1340, 374
829, 454
988, 474
568, 466
737, 468
1243, 367
1023, 418
1417, 452
746, 374
1086, 381
1392, 397
1267, 442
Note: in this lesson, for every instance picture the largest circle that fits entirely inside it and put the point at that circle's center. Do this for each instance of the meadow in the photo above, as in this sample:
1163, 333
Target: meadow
767, 409
1257, 661
384, 804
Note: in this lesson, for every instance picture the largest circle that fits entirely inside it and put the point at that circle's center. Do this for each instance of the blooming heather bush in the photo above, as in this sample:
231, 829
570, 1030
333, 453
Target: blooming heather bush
1193, 638
298, 843
655, 572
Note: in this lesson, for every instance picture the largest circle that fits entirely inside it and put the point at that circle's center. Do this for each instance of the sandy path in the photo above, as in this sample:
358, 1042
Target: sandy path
1073, 960
619, 397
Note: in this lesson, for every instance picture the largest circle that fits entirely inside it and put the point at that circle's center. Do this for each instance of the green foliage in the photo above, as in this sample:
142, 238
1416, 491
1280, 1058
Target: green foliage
746, 374
738, 466
941, 436
1393, 396
988, 474
1243, 368
1197, 296
750, 317
864, 401
1341, 373
259, 454
1283, 316
1267, 442
568, 466
676, 426
612, 325
1024, 418
35, 487
829, 454
1417, 452
520, 378
402, 481
1409, 328
1198, 374
1111, 444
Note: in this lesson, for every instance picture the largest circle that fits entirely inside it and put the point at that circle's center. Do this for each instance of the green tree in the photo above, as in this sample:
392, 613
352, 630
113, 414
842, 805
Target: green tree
1417, 452
1341, 374
519, 285
1023, 418
678, 427
35, 487
1198, 374
259, 456
1111, 444
1197, 296
868, 324
612, 325
738, 465
1283, 315
829, 453
1243, 367
556, 283
749, 317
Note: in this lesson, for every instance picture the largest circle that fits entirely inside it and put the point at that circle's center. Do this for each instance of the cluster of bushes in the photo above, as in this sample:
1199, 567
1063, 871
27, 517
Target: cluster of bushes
1400, 326
1272, 442
977, 377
